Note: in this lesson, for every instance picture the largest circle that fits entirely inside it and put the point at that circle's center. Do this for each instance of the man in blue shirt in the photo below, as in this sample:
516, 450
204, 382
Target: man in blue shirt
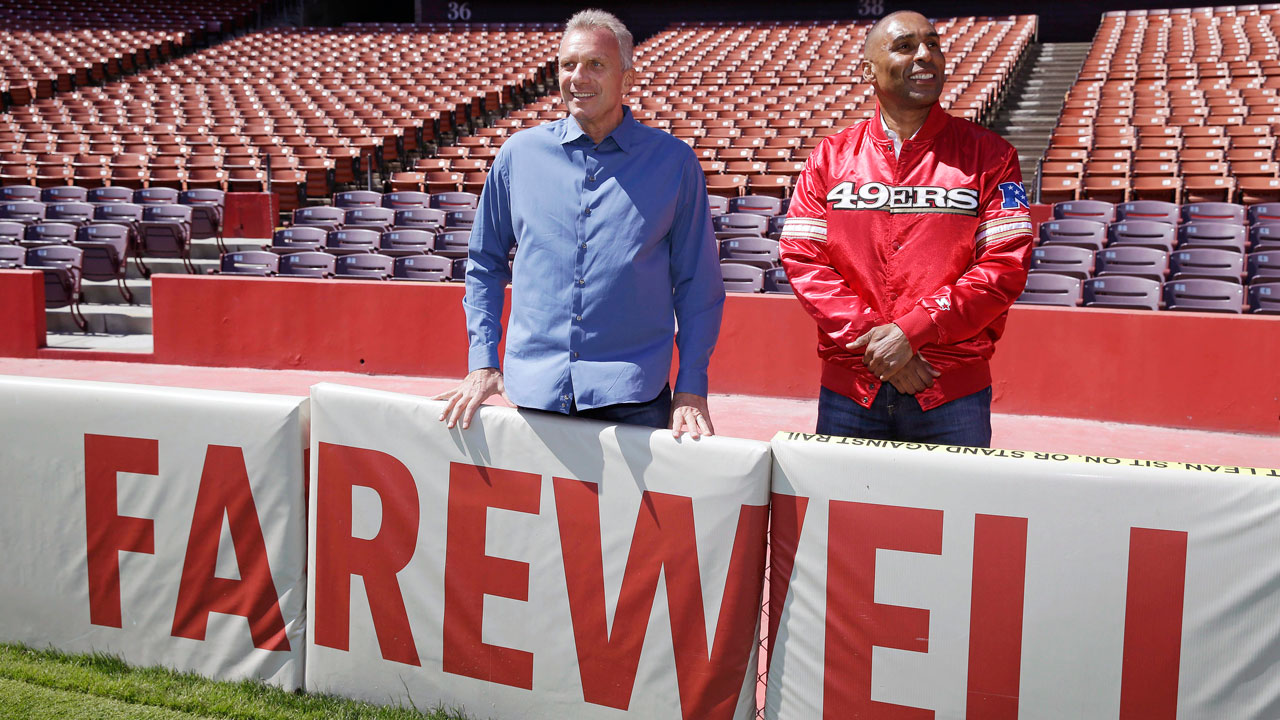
616, 250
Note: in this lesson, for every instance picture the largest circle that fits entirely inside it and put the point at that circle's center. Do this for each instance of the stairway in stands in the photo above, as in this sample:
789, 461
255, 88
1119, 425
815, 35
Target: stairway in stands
1036, 100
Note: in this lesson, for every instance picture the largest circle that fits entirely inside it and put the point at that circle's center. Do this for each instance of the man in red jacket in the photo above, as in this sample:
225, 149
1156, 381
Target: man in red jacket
907, 240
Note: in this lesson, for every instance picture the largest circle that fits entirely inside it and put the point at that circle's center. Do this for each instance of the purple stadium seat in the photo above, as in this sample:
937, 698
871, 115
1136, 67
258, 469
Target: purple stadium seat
11, 233
369, 217
742, 278
308, 264
776, 281
420, 218
17, 193
357, 198
1157, 210
1088, 234
48, 233
106, 254
61, 265
22, 211
1076, 262
1265, 235
366, 266
455, 201
1223, 236
459, 219
1050, 288
739, 224
348, 242
1132, 260
1143, 233
1264, 212
76, 213
1204, 295
402, 199
1096, 210
165, 231
329, 218
64, 193
110, 194
1122, 291
298, 238
1264, 298
1214, 212
423, 268
719, 204
12, 256
750, 250
756, 204
452, 243
1206, 263
398, 243
207, 207
1263, 266
155, 196
249, 262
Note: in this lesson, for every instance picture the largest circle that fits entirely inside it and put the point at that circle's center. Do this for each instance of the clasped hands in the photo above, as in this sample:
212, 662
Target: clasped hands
888, 355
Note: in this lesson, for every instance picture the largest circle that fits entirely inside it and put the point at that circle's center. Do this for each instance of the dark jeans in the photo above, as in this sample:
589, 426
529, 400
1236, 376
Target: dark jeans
655, 413
896, 416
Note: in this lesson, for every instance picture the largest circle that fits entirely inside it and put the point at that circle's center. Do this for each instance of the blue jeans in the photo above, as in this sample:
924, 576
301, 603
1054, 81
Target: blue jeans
655, 413
897, 416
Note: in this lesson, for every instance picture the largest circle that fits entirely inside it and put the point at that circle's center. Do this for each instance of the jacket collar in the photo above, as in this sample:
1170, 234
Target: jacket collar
932, 125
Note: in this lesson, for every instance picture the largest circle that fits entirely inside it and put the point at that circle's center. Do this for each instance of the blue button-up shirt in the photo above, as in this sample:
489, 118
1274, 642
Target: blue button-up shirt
615, 249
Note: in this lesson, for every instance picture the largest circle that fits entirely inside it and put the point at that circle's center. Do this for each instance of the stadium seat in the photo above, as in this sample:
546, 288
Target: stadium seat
1097, 210
48, 233
1135, 261
1143, 233
207, 207
419, 218
369, 217
1088, 234
364, 266
739, 224
308, 264
776, 281
1051, 288
165, 232
351, 241
1069, 260
249, 262
22, 211
1226, 236
329, 218
455, 201
1206, 263
1264, 298
12, 256
298, 238
398, 243
403, 199
357, 198
65, 193
1263, 266
1166, 212
155, 196
1214, 212
459, 219
1204, 295
1122, 292
423, 268
452, 243
750, 250
106, 254
756, 204
742, 278
61, 265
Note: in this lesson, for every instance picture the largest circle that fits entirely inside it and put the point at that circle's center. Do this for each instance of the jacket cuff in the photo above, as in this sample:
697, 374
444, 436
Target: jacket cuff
918, 327
482, 356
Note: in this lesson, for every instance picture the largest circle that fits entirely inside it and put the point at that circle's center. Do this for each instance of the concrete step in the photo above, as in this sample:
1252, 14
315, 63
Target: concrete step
108, 293
111, 319
136, 343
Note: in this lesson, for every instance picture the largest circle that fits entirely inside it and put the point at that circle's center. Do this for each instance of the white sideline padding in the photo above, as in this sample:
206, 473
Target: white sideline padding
483, 568
941, 582
162, 525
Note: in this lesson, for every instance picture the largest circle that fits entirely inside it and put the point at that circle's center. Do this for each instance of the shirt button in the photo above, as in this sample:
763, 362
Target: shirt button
575, 353
578, 318
871, 385
581, 281
588, 211
584, 246
591, 178
864, 399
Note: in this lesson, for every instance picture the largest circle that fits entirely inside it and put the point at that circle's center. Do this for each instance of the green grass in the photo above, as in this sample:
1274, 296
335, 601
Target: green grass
39, 684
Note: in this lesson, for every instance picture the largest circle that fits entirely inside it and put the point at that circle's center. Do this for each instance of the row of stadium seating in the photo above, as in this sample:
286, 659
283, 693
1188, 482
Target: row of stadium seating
1127, 292
1175, 105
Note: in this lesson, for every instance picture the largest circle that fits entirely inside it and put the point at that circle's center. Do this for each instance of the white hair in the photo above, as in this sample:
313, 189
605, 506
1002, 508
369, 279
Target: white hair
592, 19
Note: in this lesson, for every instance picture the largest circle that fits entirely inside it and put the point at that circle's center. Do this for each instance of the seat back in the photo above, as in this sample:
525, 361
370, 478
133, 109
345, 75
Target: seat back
742, 278
455, 201
369, 216
1157, 210
1143, 233
733, 224
751, 250
776, 281
1265, 298
1089, 234
452, 243
64, 193
320, 216
766, 205
12, 256
16, 193
307, 264
1214, 212
352, 239
22, 211
1122, 291
401, 199
49, 233
357, 198
406, 242
1204, 295
1096, 210
1263, 266
155, 196
106, 248
1203, 233
167, 214
249, 262
1050, 288
1206, 263
420, 218
298, 238
1132, 260
365, 265
427, 268
76, 213
111, 194
1069, 260
459, 219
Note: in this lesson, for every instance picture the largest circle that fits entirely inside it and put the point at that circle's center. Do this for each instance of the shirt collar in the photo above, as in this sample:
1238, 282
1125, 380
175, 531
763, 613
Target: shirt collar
933, 123
623, 135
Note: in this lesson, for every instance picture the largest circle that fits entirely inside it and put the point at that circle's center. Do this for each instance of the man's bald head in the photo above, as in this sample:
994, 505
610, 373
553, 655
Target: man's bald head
878, 28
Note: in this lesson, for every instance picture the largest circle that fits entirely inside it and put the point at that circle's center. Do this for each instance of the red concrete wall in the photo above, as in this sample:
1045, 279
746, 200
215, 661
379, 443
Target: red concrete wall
1189, 370
22, 318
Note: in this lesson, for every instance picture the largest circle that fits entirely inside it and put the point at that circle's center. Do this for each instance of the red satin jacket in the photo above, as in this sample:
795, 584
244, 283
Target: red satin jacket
936, 240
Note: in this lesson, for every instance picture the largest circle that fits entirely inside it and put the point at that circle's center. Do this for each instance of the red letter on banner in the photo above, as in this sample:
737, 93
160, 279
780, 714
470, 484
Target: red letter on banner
855, 623
995, 617
1153, 624
339, 555
225, 490
469, 574
110, 533
664, 541
786, 517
